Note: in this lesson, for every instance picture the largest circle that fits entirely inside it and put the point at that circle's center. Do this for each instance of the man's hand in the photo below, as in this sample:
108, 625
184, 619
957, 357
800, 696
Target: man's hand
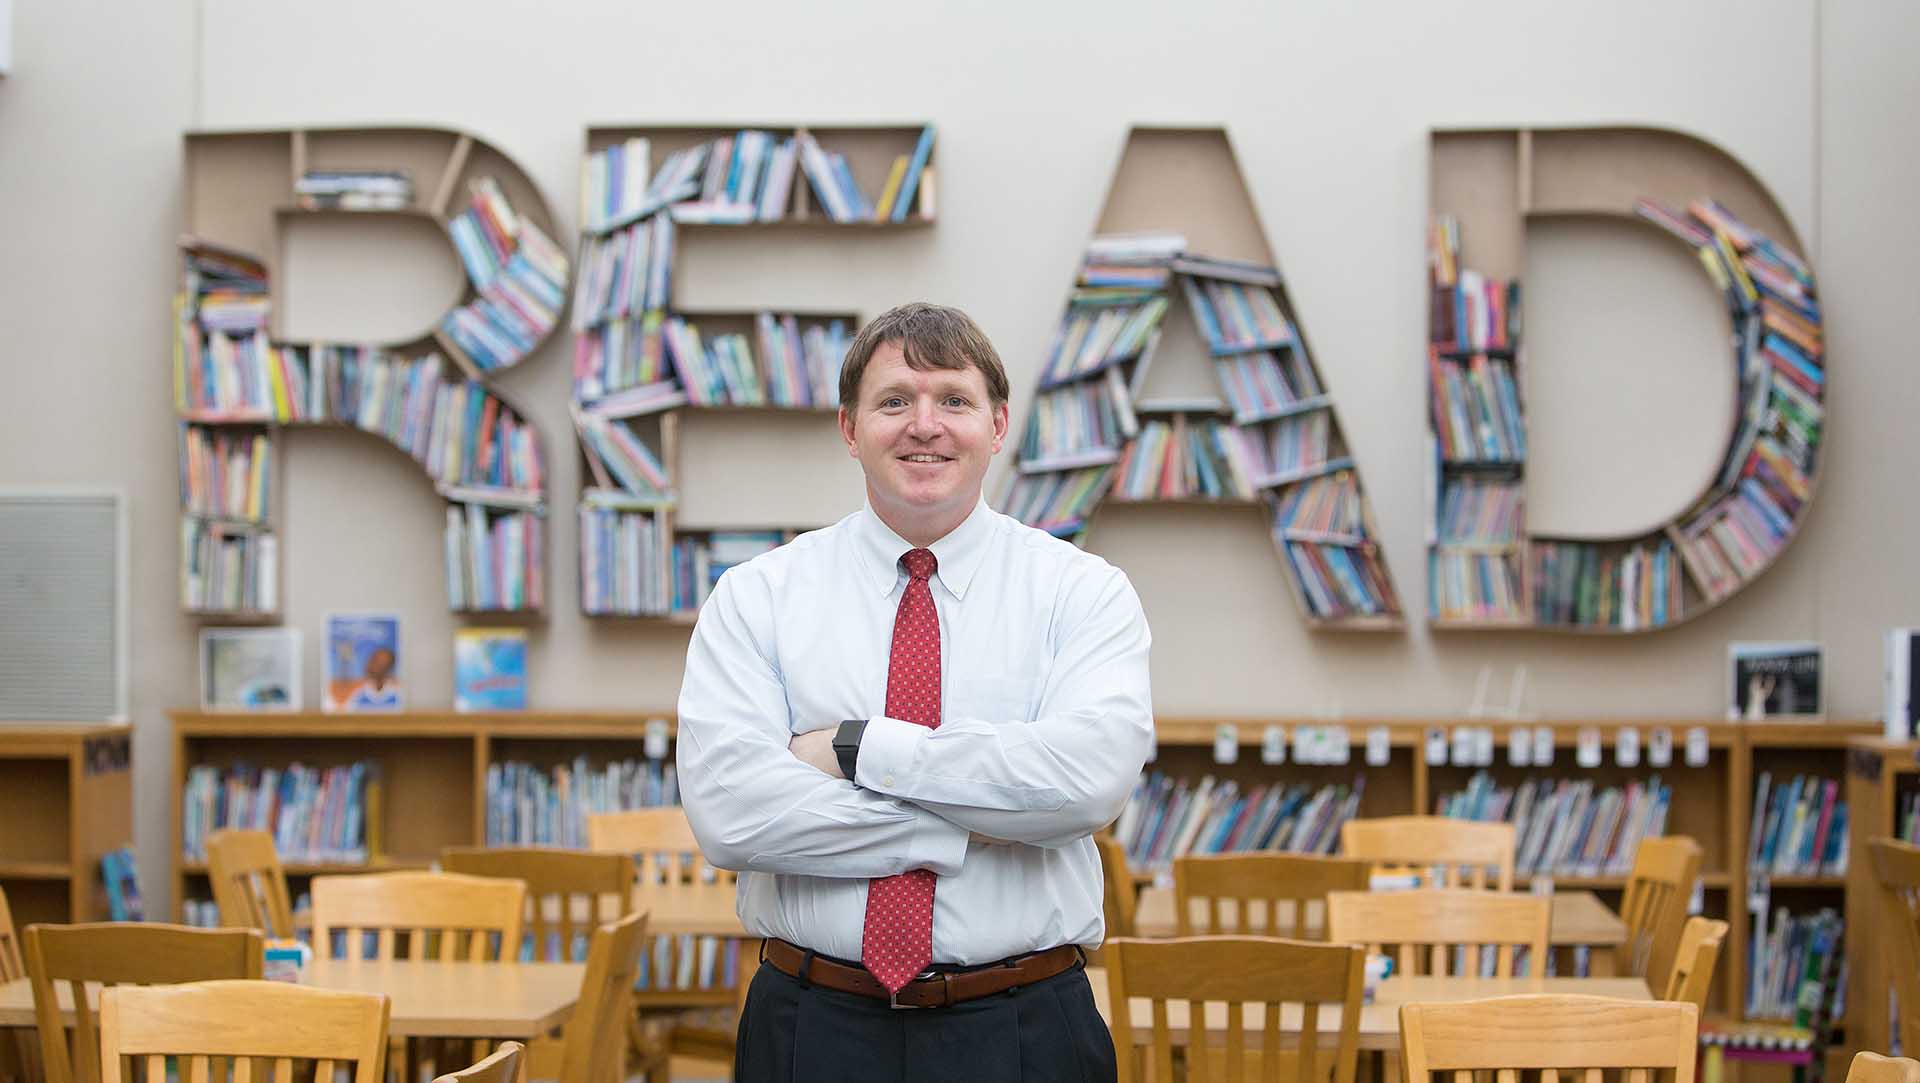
815, 749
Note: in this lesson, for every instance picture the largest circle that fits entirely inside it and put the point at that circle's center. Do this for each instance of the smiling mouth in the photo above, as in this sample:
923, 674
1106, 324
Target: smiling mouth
924, 457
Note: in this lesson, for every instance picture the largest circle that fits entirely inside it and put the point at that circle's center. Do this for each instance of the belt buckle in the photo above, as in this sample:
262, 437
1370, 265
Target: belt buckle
893, 999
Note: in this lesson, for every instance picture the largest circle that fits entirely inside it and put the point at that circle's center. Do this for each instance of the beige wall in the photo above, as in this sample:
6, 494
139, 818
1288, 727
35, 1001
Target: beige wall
1328, 106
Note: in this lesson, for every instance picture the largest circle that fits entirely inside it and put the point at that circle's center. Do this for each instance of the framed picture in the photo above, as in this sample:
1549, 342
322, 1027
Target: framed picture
490, 669
361, 664
250, 669
1774, 681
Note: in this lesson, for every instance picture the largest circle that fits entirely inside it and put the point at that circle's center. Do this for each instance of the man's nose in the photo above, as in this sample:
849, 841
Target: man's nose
925, 421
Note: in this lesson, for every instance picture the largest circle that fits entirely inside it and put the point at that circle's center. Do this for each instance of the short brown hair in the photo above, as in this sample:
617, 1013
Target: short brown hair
930, 337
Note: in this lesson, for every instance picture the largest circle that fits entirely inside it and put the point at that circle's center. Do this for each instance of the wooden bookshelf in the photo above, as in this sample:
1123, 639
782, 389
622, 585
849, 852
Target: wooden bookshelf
802, 221
66, 798
1880, 774
434, 764
1496, 184
241, 198
1187, 182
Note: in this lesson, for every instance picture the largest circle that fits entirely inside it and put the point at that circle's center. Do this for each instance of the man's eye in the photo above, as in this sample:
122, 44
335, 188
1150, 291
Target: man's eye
892, 403
956, 400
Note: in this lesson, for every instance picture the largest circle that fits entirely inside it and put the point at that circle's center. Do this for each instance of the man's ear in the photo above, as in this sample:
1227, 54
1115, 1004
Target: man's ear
846, 432
1000, 423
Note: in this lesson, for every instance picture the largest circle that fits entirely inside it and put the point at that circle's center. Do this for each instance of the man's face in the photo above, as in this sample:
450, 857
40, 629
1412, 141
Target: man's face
924, 439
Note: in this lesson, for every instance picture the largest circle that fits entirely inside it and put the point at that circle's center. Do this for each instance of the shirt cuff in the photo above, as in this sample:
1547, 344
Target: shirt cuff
939, 845
887, 751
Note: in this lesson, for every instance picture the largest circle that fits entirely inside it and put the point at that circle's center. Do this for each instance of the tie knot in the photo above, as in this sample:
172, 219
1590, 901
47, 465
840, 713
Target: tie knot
920, 563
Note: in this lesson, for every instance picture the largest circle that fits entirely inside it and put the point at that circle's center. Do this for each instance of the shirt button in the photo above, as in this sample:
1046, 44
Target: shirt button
887, 781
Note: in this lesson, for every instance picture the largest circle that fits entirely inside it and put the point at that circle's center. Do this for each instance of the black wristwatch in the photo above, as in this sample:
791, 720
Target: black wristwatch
846, 745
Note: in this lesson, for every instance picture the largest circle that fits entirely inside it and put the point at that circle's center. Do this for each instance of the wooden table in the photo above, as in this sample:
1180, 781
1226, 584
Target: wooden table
1580, 919
1379, 1027
430, 999
699, 909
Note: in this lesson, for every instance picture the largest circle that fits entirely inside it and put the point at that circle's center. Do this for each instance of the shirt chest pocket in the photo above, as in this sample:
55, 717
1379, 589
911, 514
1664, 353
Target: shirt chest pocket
999, 698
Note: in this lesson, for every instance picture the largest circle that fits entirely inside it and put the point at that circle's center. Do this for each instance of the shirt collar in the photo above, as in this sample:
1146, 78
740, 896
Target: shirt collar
959, 552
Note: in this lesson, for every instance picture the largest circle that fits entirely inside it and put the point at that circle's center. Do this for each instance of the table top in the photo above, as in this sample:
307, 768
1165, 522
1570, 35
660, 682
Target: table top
1579, 917
1379, 1026
430, 999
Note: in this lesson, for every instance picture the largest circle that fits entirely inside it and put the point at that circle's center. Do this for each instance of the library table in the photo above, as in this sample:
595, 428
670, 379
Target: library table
1580, 919
430, 999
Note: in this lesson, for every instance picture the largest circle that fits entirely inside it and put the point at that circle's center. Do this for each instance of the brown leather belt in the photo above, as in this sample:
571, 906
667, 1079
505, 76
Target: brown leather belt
934, 991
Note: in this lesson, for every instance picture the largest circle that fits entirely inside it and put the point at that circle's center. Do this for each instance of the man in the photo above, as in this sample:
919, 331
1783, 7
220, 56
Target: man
901, 731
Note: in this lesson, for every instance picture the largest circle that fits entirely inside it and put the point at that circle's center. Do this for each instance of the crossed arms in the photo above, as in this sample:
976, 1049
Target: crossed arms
756, 805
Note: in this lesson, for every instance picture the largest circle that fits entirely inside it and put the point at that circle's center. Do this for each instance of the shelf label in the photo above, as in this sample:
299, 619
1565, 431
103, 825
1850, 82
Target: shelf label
1437, 747
1462, 752
1543, 746
1483, 746
1520, 747
654, 742
1586, 748
1379, 746
1273, 745
1626, 746
1660, 747
1696, 751
1226, 743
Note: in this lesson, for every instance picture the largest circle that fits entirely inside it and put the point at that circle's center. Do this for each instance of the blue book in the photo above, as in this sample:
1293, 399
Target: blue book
490, 669
910, 182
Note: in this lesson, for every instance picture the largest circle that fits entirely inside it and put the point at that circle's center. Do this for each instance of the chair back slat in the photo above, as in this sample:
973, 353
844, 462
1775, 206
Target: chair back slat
1654, 905
1431, 923
1418, 844
1258, 884
1874, 1068
596, 1034
1896, 866
11, 966
500, 1066
1590, 1035
249, 884
1120, 898
274, 1021
565, 890
1691, 976
1240, 974
482, 912
119, 953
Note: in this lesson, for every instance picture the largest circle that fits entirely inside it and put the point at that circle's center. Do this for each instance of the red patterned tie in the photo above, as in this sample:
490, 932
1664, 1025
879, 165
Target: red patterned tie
897, 940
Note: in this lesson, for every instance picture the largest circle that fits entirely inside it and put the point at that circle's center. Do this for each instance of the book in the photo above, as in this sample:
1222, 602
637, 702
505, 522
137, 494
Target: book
250, 669
490, 669
361, 663
1774, 681
1903, 682
121, 880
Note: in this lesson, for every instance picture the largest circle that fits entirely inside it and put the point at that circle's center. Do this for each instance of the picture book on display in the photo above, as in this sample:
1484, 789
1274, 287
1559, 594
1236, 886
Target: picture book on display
122, 884
361, 666
490, 669
1774, 681
250, 669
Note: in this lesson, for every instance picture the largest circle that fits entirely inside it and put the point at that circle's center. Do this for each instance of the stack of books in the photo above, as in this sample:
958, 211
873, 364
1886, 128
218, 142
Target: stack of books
225, 475
353, 190
1798, 829
1321, 525
314, 814
530, 805
1567, 827
1788, 960
518, 273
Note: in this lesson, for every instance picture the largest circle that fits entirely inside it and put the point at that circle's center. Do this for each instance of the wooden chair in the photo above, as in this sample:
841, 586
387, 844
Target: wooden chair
661, 842
1874, 1068
244, 1020
1462, 849
1556, 1033
1423, 927
249, 886
1259, 883
1692, 975
17, 1059
566, 890
595, 1043
119, 953
1896, 865
1654, 907
473, 918
667, 858
1121, 900
1237, 970
500, 1066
